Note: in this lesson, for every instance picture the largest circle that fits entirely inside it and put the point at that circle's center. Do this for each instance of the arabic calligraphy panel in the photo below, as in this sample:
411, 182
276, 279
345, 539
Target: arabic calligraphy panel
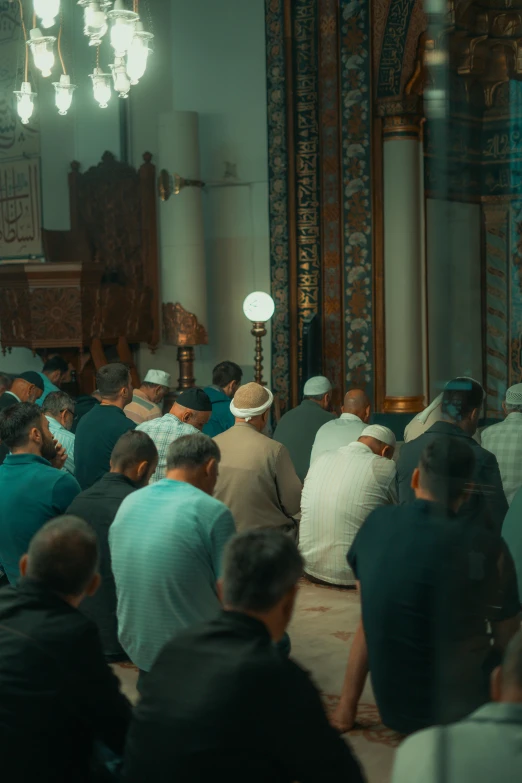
20, 210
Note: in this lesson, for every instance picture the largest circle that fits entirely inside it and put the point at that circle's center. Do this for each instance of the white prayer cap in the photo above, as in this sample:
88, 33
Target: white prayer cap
159, 377
383, 434
251, 400
317, 385
514, 394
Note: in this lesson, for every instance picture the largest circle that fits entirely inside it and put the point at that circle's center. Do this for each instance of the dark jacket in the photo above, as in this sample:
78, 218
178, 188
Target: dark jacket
297, 430
487, 501
97, 434
221, 419
6, 400
221, 703
57, 693
84, 403
98, 506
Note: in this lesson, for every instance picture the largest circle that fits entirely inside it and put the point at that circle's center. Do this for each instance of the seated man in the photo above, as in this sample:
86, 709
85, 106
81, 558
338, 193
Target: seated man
257, 480
483, 747
5, 382
226, 379
298, 428
504, 440
58, 409
431, 583
32, 490
187, 416
346, 429
144, 405
133, 460
222, 704
26, 387
54, 373
341, 489
166, 546
59, 696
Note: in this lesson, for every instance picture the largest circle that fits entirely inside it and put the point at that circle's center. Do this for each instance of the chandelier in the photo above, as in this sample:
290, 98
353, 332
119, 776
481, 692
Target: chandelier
129, 40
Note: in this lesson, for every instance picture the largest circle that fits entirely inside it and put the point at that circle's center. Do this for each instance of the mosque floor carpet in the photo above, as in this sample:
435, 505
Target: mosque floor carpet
322, 630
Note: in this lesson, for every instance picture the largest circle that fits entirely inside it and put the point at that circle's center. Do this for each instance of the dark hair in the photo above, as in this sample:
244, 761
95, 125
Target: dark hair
512, 665
461, 397
226, 372
55, 363
132, 448
446, 466
259, 568
56, 402
192, 451
16, 422
63, 555
111, 378
5, 381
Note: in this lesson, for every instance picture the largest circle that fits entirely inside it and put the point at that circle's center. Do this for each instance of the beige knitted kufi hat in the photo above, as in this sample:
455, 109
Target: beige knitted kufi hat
251, 400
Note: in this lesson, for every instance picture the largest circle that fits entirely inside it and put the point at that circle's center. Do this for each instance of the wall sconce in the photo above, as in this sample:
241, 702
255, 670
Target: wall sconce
258, 308
168, 185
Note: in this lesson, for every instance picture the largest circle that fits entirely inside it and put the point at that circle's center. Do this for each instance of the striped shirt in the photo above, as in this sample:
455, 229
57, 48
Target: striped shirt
163, 432
339, 432
341, 489
66, 438
504, 440
166, 543
141, 408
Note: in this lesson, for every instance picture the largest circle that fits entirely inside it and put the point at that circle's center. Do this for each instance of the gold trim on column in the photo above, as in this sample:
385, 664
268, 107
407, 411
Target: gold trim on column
404, 404
181, 327
402, 126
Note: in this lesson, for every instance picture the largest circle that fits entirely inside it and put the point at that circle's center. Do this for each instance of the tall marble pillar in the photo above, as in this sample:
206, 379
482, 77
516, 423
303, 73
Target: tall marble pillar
403, 281
182, 238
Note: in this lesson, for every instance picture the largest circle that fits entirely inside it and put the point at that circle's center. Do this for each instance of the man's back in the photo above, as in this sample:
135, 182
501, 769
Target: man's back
166, 547
504, 440
98, 506
221, 419
342, 488
96, 435
337, 433
32, 492
58, 695
482, 748
297, 430
163, 432
487, 499
221, 703
256, 480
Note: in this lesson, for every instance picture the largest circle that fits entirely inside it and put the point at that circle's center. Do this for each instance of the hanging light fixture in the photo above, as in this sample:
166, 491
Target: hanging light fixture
41, 47
25, 102
123, 24
63, 90
138, 53
122, 83
47, 11
101, 85
95, 23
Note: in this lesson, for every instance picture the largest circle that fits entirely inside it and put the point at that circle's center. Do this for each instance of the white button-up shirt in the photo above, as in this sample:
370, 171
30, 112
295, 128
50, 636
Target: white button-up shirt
339, 432
504, 440
341, 489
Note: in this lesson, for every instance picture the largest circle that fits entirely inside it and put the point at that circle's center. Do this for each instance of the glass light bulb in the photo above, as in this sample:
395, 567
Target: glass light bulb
25, 102
47, 11
63, 94
123, 26
94, 23
41, 47
259, 307
101, 85
137, 57
122, 83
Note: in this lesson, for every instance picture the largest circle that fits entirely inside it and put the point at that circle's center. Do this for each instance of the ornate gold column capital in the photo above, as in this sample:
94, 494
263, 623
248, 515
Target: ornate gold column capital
402, 126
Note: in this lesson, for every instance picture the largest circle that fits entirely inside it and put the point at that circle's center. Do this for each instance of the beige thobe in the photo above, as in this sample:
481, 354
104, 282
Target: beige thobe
257, 479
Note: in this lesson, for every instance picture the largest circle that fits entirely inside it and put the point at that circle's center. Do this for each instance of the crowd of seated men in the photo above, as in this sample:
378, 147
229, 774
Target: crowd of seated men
128, 535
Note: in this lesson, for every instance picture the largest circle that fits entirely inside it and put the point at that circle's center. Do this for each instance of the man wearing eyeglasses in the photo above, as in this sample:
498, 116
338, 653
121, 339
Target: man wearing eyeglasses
58, 408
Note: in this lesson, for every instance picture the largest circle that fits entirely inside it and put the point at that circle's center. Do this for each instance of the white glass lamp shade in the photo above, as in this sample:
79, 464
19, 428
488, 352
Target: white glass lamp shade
259, 307
42, 48
94, 23
101, 85
47, 11
63, 94
25, 102
138, 53
123, 26
120, 78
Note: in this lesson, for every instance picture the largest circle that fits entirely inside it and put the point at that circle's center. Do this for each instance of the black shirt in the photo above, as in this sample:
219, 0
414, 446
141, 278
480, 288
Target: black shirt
98, 506
57, 694
429, 582
220, 703
95, 439
487, 499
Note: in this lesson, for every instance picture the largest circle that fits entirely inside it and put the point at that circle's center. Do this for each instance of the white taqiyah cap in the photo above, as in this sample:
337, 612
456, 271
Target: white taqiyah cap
317, 385
514, 394
158, 376
383, 434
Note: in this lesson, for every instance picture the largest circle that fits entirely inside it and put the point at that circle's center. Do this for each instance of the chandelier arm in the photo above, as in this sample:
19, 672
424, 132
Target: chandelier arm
25, 39
59, 45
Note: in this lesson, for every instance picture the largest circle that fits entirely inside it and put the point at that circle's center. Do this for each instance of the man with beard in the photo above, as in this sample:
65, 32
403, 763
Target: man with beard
32, 486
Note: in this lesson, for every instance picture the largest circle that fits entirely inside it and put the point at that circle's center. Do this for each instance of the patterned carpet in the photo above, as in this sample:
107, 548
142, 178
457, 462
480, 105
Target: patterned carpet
321, 631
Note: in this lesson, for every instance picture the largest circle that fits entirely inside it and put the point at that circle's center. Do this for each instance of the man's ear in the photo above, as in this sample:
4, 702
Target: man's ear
415, 479
93, 585
367, 414
210, 467
495, 684
219, 588
142, 469
23, 564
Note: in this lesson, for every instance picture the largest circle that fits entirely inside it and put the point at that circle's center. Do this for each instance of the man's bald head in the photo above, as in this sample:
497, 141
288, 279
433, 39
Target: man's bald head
357, 403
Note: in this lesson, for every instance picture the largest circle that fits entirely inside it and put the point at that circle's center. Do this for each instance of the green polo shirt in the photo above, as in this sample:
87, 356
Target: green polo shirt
32, 492
297, 430
96, 435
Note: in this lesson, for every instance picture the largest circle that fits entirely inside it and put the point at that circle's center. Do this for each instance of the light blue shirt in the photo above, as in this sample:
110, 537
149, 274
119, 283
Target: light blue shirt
166, 544
48, 388
64, 437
